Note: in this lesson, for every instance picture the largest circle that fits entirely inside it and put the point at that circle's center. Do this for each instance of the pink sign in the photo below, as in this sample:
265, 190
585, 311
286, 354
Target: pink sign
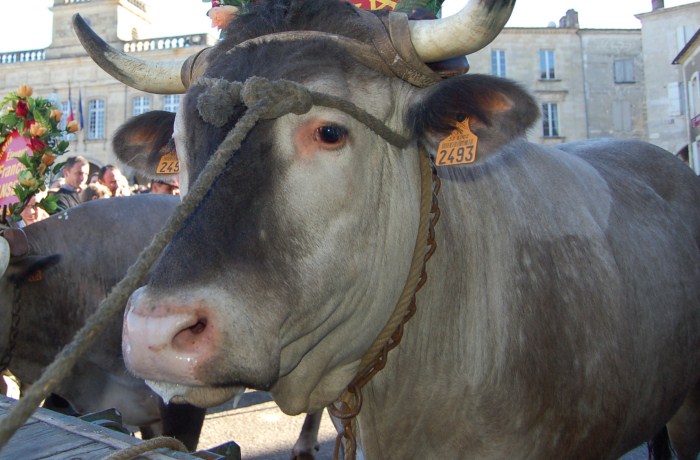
15, 146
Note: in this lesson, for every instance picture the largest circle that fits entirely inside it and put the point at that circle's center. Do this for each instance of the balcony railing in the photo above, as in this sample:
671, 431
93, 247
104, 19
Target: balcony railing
22, 56
137, 3
153, 44
134, 46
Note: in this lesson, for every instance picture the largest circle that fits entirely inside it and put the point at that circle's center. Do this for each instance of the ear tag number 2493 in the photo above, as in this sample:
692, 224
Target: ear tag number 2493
459, 147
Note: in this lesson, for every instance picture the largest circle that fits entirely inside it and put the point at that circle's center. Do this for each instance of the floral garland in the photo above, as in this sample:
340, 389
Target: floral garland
37, 120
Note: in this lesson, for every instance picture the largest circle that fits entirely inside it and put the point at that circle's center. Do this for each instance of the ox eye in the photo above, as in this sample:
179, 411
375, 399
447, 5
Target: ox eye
332, 135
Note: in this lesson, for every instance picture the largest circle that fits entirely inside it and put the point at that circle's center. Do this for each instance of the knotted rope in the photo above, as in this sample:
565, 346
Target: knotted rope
264, 100
161, 442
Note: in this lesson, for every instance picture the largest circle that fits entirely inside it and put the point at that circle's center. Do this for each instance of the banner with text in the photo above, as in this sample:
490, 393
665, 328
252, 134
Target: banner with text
14, 147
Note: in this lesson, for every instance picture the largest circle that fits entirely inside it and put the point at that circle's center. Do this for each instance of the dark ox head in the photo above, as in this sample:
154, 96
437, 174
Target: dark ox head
290, 265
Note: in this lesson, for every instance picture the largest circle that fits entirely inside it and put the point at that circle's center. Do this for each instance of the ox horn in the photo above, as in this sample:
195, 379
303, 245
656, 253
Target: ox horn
4, 255
151, 77
474, 27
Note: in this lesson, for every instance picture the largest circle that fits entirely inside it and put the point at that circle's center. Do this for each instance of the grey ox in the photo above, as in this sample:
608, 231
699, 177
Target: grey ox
561, 315
60, 272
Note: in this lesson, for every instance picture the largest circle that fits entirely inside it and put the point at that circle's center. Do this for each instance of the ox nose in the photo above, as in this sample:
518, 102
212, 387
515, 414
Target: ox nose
164, 341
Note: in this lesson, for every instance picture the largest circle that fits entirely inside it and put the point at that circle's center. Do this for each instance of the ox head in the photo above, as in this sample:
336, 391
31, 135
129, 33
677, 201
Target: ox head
290, 265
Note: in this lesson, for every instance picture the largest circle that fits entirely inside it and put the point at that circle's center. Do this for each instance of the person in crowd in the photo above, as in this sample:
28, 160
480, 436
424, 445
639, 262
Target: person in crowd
32, 212
123, 183
109, 177
165, 187
95, 191
75, 174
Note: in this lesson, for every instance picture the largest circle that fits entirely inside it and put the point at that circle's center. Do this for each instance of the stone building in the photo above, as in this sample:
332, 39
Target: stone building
595, 83
665, 31
589, 82
689, 60
64, 68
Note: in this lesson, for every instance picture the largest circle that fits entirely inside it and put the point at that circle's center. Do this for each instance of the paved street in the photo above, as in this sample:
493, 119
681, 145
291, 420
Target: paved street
264, 433
261, 429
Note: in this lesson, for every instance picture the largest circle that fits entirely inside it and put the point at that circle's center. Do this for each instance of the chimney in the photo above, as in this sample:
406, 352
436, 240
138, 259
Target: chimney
570, 21
657, 4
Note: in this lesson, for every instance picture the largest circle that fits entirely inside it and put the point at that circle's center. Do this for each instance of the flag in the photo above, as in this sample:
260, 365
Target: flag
80, 108
71, 117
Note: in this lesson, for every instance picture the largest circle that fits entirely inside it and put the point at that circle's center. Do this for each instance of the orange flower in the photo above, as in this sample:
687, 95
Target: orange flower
56, 115
48, 159
72, 126
24, 91
37, 130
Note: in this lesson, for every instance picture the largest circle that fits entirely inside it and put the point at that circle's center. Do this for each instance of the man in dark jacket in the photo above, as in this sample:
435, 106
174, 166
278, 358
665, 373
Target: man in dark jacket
75, 172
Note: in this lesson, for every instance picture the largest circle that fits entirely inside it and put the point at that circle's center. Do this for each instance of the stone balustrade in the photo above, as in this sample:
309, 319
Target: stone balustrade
165, 43
22, 56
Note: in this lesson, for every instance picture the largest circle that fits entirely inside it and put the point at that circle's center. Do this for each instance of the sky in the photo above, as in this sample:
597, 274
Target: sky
182, 17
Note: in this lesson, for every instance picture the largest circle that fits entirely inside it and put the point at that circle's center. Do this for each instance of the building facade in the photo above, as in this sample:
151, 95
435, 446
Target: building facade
689, 61
589, 82
65, 74
665, 31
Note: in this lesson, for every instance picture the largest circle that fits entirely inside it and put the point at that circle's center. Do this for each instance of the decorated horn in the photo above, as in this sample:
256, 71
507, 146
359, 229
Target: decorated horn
151, 77
474, 27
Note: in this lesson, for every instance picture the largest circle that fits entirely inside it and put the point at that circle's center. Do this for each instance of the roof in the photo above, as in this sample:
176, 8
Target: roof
688, 48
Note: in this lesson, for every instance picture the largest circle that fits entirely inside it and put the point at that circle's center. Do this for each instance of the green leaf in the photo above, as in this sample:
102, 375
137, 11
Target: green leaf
49, 203
57, 167
25, 160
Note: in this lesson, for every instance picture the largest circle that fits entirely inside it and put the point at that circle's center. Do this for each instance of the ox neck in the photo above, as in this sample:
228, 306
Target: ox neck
348, 406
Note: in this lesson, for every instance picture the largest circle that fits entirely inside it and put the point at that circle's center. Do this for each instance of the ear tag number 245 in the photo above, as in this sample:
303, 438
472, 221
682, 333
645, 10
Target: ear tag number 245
459, 147
168, 164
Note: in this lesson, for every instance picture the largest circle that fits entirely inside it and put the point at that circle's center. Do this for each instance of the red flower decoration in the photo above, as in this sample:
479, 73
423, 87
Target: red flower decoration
215, 3
36, 145
21, 109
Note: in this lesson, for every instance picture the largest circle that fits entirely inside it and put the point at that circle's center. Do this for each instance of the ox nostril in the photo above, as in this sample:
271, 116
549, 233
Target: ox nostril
189, 336
199, 327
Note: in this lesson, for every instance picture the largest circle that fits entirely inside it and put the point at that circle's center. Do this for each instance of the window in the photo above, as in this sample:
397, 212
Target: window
547, 65
96, 119
676, 99
694, 96
622, 116
498, 63
624, 71
65, 108
550, 120
139, 105
171, 102
683, 36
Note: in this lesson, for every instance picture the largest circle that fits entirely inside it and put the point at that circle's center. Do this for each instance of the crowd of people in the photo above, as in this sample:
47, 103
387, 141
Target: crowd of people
77, 186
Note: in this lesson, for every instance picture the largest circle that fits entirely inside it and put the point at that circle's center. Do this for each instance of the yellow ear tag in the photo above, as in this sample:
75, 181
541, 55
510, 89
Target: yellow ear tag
459, 148
168, 164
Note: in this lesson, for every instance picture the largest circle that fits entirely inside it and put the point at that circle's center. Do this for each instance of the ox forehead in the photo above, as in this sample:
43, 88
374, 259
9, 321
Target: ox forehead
549, 260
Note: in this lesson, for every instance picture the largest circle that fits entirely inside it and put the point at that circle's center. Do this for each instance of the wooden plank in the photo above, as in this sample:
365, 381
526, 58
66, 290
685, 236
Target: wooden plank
50, 435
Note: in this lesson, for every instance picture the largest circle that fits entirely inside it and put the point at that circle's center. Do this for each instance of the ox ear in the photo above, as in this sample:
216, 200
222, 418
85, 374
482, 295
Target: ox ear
498, 111
143, 140
30, 268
